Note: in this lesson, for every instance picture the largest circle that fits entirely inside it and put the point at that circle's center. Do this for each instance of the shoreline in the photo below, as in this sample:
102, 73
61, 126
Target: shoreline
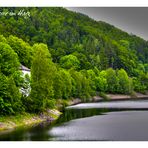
127, 97
28, 120
110, 97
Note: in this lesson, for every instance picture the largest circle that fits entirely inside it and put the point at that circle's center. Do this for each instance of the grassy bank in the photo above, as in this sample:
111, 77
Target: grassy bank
27, 119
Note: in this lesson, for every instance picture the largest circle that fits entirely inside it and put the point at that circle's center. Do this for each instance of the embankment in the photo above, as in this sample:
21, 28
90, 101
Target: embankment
26, 119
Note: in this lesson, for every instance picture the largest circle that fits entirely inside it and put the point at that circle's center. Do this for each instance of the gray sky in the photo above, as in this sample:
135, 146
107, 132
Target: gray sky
130, 19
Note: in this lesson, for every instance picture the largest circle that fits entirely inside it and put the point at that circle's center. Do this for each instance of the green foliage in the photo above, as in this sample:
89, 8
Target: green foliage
104, 96
66, 84
3, 39
10, 96
86, 91
141, 82
5, 107
65, 32
101, 82
9, 91
58, 85
124, 82
42, 71
22, 48
8, 60
112, 80
3, 85
138, 86
82, 87
69, 61
14, 95
92, 78
70, 56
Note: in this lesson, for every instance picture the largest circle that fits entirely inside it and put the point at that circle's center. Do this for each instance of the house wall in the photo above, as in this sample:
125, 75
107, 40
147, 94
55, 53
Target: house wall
25, 72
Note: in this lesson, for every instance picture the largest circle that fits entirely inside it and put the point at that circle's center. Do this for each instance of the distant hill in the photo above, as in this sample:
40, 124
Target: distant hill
67, 32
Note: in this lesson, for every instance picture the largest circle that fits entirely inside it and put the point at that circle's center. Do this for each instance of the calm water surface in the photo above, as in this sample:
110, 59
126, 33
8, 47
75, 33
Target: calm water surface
113, 121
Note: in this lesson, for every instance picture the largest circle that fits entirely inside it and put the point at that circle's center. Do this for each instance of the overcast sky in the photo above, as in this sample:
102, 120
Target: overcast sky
130, 19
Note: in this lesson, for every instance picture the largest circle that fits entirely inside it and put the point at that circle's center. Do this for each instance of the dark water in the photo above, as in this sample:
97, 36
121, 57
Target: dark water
113, 121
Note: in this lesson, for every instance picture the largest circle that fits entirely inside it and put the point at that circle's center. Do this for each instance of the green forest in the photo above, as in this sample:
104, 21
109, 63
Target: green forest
70, 56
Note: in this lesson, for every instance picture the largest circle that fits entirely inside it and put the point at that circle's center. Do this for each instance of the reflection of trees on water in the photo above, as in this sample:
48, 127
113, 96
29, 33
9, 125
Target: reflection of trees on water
71, 114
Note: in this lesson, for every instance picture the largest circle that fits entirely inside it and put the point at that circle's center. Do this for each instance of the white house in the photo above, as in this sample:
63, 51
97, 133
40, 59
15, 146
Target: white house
25, 70
26, 89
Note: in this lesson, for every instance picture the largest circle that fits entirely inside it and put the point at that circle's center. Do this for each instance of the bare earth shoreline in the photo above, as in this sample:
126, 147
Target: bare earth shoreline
125, 97
111, 97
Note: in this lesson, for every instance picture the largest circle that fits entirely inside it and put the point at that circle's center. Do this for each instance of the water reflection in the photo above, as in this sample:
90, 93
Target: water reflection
90, 121
71, 114
130, 104
37, 132
41, 132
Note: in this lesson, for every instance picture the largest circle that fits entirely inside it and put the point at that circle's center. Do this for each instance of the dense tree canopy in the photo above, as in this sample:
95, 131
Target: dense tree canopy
42, 71
70, 56
69, 61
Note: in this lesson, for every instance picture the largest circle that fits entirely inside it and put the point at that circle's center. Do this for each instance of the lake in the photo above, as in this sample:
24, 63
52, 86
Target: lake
102, 121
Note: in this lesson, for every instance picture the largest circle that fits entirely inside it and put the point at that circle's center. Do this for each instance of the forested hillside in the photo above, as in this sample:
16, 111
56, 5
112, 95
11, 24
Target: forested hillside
70, 56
